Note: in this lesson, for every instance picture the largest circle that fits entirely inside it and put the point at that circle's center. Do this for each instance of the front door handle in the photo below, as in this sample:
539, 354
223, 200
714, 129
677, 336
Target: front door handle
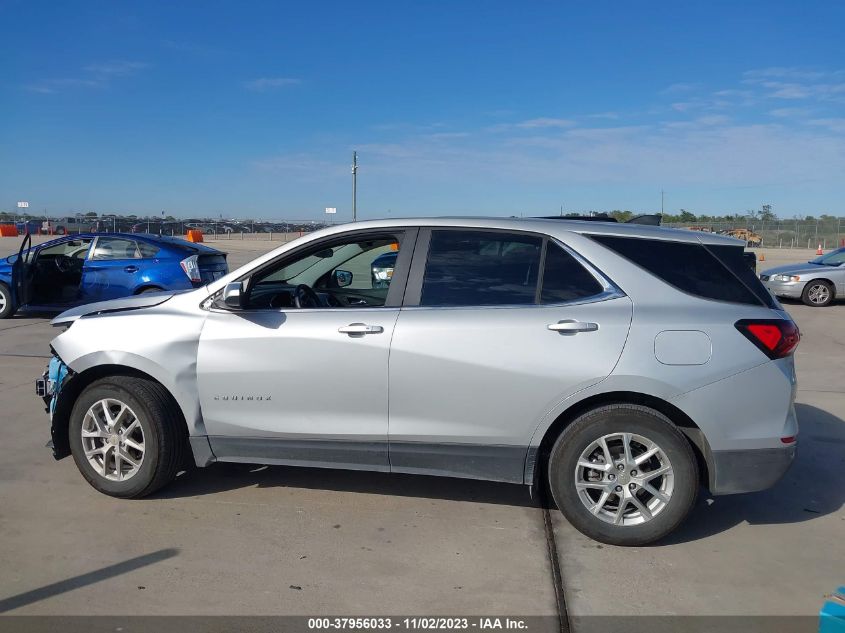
573, 327
360, 328
130, 269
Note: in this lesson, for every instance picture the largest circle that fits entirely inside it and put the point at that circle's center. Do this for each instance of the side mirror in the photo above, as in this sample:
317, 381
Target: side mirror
341, 278
232, 294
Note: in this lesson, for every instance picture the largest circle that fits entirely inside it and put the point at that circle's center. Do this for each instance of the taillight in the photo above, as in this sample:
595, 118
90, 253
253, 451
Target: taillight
191, 268
776, 338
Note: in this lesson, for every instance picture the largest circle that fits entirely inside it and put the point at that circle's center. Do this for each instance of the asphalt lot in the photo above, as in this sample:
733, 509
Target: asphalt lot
236, 539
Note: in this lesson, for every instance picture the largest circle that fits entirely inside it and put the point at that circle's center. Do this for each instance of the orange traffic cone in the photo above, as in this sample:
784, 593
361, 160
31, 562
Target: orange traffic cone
819, 251
762, 257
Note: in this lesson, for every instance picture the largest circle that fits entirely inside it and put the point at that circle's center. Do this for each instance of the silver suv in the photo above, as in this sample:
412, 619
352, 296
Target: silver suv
621, 366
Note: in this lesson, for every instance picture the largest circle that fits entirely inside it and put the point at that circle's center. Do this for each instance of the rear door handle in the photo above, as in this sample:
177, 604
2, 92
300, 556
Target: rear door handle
360, 328
130, 269
573, 327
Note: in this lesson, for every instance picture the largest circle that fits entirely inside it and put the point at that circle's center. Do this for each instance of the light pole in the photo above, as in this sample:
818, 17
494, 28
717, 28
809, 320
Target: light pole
354, 186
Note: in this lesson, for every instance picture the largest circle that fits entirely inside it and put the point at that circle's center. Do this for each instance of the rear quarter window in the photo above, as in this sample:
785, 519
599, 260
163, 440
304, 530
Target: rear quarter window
565, 279
147, 250
711, 272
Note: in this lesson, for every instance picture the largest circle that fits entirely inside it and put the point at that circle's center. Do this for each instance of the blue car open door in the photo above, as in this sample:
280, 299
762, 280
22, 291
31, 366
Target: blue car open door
22, 272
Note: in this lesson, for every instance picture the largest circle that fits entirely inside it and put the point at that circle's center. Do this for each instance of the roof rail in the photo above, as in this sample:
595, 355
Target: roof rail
600, 217
648, 219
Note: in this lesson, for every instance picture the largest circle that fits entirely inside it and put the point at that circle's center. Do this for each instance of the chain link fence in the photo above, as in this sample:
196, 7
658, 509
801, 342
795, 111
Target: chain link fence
830, 233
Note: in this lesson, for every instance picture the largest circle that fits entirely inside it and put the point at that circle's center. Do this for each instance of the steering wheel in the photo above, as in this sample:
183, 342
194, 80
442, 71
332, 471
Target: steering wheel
63, 263
305, 297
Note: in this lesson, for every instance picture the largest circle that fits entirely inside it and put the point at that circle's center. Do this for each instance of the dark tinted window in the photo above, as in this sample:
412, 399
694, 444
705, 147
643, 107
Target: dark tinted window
564, 279
733, 257
691, 267
478, 268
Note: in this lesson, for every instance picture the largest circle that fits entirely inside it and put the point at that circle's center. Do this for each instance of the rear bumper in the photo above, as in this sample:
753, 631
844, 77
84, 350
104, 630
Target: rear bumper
733, 472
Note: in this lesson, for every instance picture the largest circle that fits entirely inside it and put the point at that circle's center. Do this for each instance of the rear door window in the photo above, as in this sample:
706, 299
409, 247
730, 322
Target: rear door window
109, 248
481, 268
711, 272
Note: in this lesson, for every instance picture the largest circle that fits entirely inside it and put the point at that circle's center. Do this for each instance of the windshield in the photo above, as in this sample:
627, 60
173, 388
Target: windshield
835, 258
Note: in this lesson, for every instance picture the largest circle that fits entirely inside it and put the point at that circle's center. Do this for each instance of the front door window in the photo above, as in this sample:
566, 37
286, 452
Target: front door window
354, 273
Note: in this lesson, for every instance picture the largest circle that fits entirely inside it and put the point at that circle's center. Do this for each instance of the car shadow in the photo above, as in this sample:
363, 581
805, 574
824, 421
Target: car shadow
222, 477
814, 486
36, 314
788, 301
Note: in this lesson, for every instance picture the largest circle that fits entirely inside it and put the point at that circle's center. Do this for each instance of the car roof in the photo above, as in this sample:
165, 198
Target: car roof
164, 240
549, 226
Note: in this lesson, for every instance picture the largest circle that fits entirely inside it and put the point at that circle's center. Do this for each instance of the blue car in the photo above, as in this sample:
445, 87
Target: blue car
89, 267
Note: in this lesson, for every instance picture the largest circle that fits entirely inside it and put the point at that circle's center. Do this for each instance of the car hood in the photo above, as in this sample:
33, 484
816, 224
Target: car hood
800, 269
146, 300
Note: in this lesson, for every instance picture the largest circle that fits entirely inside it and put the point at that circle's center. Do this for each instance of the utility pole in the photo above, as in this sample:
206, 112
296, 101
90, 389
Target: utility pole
661, 201
354, 186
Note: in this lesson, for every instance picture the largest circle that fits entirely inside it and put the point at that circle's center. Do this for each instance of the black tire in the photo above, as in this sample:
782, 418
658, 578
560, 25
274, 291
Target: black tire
623, 418
165, 439
812, 289
8, 306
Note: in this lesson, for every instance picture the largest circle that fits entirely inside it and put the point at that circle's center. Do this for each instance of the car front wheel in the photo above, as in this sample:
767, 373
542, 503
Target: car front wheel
623, 474
7, 306
125, 436
817, 294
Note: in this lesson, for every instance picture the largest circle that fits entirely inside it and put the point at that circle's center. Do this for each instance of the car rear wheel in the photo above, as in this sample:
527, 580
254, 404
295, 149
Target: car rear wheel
817, 294
623, 474
7, 306
125, 436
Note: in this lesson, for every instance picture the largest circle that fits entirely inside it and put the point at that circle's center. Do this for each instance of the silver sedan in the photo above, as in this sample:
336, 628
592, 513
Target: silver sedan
817, 282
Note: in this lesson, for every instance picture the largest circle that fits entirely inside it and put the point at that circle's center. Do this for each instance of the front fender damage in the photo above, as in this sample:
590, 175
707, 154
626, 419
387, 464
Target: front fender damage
53, 389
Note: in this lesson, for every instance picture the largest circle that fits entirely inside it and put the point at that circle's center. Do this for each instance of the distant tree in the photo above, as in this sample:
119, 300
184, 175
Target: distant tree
622, 216
687, 216
91, 214
767, 215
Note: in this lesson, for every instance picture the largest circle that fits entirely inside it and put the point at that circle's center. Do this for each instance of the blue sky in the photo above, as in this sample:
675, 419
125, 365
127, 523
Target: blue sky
252, 109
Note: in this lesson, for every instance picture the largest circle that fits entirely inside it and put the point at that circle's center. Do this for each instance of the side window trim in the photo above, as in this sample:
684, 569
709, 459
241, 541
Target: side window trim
413, 289
92, 249
541, 273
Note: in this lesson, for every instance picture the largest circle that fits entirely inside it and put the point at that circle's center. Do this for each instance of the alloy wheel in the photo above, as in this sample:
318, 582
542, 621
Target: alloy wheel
818, 293
624, 479
113, 439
